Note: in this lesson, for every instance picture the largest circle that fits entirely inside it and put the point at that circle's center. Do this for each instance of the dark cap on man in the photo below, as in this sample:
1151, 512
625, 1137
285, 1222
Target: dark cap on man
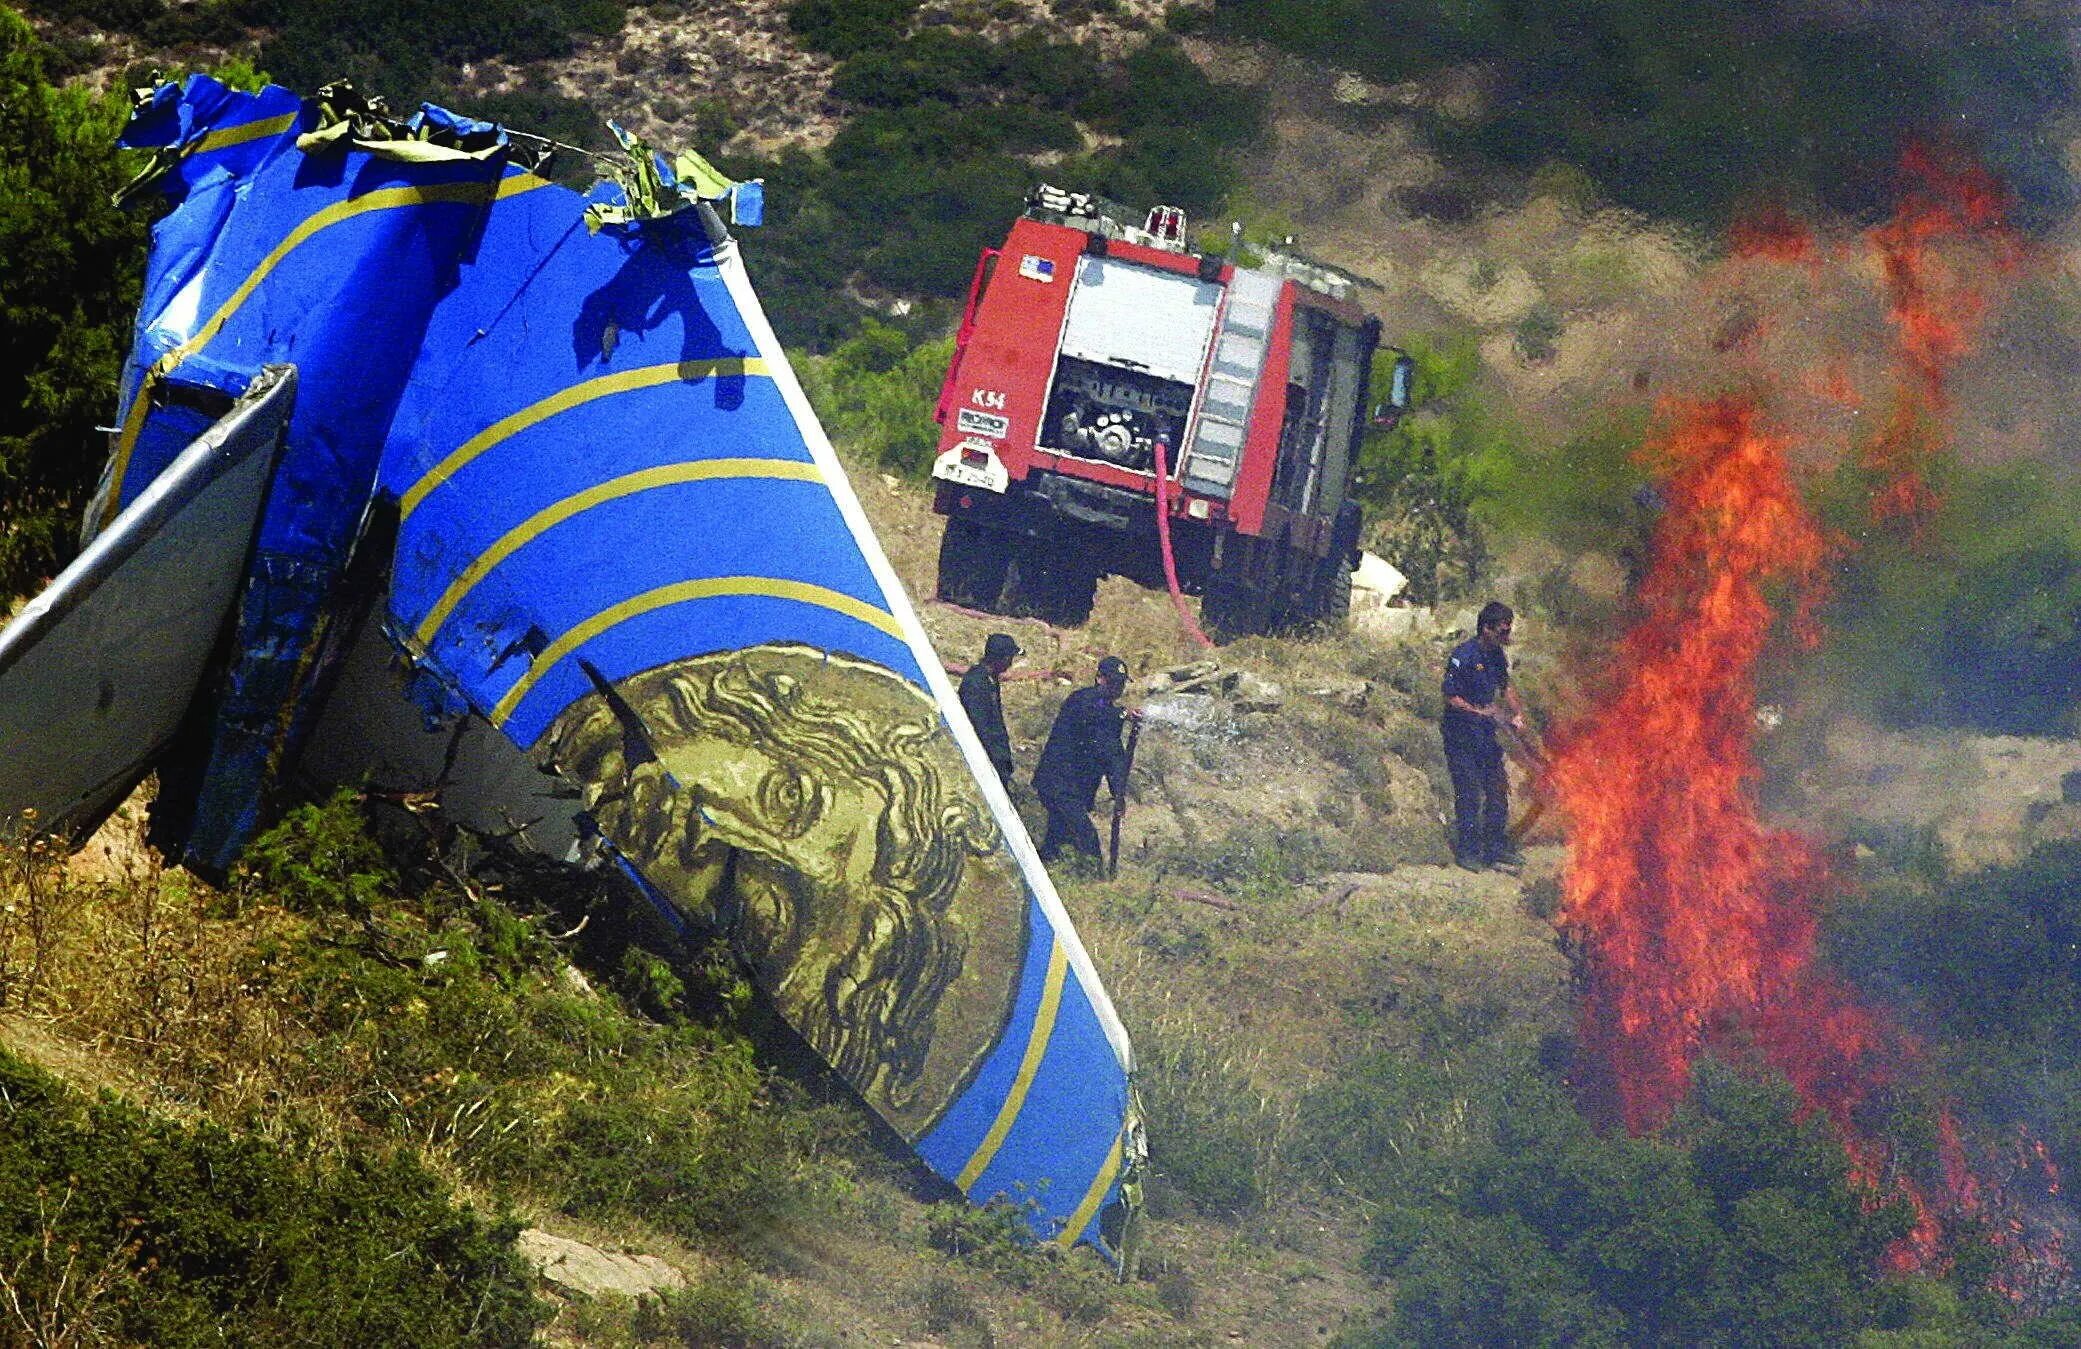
1000, 646
1113, 670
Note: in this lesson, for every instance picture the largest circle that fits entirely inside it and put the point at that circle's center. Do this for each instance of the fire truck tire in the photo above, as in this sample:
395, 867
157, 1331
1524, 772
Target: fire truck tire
1076, 590
1231, 611
972, 563
1333, 597
1048, 583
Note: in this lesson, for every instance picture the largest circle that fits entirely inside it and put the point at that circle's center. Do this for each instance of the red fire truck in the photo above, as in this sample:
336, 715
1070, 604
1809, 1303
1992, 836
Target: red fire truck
1089, 352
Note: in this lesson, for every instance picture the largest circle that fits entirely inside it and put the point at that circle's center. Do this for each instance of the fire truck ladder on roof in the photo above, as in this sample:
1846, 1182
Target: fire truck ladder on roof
1216, 443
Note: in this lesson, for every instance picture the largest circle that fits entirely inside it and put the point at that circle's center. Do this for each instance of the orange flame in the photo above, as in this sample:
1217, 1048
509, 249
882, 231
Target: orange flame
1695, 920
1689, 907
1935, 306
1772, 233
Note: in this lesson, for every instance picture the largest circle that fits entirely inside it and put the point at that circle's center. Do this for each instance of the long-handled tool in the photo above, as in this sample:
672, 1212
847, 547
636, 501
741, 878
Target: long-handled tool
1535, 762
1134, 733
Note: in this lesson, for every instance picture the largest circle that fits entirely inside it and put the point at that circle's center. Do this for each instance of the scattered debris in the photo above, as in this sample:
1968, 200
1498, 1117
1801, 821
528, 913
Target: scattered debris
1248, 692
1255, 693
1376, 582
1211, 901
1351, 694
1194, 678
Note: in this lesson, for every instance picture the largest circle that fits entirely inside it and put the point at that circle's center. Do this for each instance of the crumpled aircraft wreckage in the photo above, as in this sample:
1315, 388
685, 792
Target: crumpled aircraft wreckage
432, 473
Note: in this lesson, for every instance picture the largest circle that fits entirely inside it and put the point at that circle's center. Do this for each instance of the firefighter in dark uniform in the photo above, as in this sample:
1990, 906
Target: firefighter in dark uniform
984, 703
1083, 747
1478, 699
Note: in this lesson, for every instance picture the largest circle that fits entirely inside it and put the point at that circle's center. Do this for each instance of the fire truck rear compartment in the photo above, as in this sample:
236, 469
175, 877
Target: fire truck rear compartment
1113, 414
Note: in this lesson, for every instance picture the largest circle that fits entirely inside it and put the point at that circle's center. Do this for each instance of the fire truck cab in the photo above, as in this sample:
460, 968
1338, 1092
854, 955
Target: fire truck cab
1091, 351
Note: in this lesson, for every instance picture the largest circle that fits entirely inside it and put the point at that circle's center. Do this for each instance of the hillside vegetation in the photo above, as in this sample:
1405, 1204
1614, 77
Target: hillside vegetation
345, 1097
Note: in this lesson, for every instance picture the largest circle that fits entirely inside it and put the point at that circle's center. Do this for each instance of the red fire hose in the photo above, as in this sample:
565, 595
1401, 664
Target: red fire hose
1163, 543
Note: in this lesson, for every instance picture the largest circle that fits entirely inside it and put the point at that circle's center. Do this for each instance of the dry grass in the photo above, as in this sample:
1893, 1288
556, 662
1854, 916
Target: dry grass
146, 968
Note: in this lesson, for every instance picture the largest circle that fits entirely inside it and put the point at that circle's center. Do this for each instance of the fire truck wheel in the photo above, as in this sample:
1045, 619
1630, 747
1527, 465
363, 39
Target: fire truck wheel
1048, 583
1333, 596
972, 562
1076, 592
1231, 611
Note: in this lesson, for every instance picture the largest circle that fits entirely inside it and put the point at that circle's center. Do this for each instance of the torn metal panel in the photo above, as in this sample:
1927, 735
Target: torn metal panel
626, 561
332, 259
97, 672
374, 734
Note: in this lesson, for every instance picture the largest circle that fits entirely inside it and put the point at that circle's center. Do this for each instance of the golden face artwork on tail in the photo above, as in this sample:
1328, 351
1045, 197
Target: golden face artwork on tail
816, 809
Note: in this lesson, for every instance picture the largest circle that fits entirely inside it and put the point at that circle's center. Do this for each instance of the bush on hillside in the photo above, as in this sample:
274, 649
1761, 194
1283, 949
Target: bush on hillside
1739, 1226
485, 1055
1687, 110
1971, 619
876, 393
410, 50
156, 23
345, 996
929, 170
117, 1227
1422, 482
70, 265
1989, 962
845, 28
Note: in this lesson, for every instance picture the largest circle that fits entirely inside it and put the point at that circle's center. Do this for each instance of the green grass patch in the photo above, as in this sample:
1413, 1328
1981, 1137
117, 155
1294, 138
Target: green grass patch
119, 1227
331, 1001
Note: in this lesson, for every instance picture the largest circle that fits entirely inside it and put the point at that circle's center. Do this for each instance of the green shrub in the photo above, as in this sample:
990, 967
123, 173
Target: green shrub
1538, 333
319, 859
1686, 110
1213, 1135
718, 1312
1421, 480
155, 22
927, 174
1059, 75
408, 50
947, 1304
541, 110
1972, 619
876, 393
118, 1227
1021, 128
437, 1018
847, 27
1471, 1281
70, 268
1455, 473
710, 1163
1159, 87
935, 66
1741, 1226
1396, 1123
722, 1311
1989, 962
995, 1237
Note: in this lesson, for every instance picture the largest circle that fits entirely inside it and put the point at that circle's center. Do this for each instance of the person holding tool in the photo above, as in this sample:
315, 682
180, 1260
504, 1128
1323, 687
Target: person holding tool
984, 702
1478, 699
1083, 747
